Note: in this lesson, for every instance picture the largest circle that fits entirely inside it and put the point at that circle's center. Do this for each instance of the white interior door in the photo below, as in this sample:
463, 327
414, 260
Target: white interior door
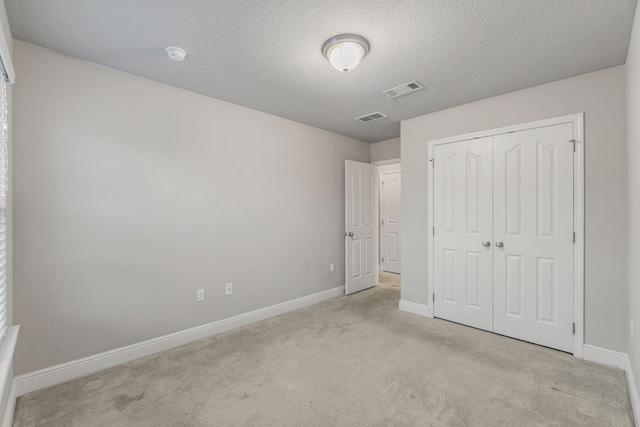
361, 242
462, 232
533, 235
390, 204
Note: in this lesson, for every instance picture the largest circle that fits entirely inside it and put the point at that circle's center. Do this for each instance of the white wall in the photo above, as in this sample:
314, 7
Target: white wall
385, 150
633, 192
131, 194
601, 96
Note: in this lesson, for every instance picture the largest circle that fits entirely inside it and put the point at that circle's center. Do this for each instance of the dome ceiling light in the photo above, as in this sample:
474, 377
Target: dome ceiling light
345, 51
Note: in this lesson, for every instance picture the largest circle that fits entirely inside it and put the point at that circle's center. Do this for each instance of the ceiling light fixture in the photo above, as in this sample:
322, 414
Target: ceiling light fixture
345, 51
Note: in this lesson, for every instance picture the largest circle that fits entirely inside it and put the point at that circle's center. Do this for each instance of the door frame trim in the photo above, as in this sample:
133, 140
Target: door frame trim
578, 212
386, 162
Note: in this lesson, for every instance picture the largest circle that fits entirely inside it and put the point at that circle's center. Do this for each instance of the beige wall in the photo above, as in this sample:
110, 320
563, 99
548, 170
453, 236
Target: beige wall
633, 255
601, 96
385, 150
132, 194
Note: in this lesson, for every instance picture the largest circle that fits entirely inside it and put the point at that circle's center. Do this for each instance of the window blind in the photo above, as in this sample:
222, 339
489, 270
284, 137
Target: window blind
7, 75
4, 188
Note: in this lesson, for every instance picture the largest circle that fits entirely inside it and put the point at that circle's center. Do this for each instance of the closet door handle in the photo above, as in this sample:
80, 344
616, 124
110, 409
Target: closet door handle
486, 243
499, 244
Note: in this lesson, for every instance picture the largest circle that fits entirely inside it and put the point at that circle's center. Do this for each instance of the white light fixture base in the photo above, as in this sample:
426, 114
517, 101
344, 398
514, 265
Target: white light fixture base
345, 51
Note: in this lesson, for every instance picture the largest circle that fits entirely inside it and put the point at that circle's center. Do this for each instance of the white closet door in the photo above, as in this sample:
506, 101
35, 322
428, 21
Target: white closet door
463, 229
533, 235
390, 227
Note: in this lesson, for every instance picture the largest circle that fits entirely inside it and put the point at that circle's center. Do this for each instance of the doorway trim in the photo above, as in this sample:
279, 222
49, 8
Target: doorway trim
386, 162
578, 212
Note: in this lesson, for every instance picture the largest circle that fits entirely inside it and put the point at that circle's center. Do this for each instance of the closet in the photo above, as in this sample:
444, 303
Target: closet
503, 233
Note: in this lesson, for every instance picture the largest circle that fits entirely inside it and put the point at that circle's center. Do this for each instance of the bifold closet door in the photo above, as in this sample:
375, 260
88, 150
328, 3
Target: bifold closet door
533, 235
463, 230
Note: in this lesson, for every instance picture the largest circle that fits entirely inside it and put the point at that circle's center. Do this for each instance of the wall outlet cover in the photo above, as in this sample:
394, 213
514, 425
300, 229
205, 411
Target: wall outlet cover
229, 289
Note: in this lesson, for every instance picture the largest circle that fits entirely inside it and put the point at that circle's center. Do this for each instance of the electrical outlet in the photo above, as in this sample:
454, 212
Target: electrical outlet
332, 267
200, 295
631, 329
229, 289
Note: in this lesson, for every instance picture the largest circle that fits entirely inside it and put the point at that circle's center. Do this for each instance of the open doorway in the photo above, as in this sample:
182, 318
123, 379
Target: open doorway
389, 227
372, 224
390, 279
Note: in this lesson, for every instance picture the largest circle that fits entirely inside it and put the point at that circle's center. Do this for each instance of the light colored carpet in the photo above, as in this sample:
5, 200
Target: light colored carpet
350, 361
391, 279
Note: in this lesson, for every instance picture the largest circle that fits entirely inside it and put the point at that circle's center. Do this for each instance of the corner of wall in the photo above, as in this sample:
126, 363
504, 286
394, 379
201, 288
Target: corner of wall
632, 75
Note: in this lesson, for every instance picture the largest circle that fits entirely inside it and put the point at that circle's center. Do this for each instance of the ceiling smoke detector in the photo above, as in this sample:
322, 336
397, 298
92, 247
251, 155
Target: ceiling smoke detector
176, 53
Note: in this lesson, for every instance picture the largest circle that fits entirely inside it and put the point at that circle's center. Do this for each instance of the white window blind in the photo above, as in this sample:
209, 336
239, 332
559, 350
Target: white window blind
4, 188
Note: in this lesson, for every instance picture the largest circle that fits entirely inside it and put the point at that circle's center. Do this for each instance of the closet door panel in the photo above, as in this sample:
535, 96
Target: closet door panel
533, 235
462, 219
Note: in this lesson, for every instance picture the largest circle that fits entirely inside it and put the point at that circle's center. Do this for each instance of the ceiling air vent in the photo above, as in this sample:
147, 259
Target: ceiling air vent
371, 117
404, 89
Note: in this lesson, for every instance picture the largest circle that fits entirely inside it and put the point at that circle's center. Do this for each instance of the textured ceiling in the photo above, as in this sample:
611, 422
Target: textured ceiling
266, 54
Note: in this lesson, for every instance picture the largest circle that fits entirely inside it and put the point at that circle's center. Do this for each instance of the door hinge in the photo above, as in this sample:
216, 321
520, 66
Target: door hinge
573, 143
433, 297
383, 259
433, 164
382, 184
574, 237
574, 328
433, 231
383, 222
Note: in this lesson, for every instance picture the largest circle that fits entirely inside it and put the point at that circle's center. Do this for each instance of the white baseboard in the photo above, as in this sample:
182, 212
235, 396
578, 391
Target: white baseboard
619, 360
633, 391
58, 374
605, 356
415, 308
